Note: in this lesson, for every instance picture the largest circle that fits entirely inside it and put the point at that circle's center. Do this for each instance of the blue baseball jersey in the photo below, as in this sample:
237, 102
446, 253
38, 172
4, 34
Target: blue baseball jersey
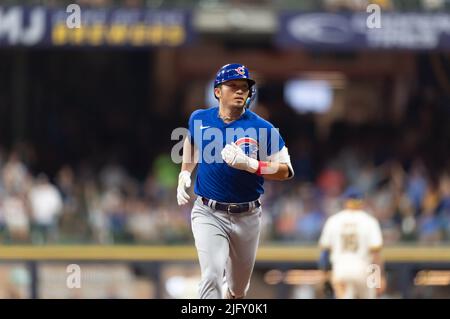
217, 180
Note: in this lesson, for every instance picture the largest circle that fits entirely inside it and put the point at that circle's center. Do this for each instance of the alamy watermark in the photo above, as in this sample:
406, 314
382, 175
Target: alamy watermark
73, 279
73, 21
373, 21
374, 278
209, 141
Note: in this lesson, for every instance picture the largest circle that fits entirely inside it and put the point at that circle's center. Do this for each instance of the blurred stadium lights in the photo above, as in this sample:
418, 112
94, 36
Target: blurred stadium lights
432, 278
293, 277
313, 91
303, 277
273, 277
181, 287
308, 95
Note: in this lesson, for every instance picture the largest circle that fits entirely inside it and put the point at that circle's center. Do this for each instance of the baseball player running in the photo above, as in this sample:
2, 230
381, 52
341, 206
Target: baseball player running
351, 242
235, 150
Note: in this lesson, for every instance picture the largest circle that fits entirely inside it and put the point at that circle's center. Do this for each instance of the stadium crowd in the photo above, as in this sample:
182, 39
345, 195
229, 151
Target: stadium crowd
110, 206
84, 174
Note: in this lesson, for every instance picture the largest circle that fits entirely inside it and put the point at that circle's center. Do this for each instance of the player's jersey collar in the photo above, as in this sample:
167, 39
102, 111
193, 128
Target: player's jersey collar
243, 116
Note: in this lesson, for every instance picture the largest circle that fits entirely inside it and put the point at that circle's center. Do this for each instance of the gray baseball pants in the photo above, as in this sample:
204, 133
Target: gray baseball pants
225, 242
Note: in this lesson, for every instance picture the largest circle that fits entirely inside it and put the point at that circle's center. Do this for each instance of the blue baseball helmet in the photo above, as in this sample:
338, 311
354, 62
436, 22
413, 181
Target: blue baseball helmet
233, 71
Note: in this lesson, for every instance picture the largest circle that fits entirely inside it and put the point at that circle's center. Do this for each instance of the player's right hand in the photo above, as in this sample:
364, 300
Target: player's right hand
184, 181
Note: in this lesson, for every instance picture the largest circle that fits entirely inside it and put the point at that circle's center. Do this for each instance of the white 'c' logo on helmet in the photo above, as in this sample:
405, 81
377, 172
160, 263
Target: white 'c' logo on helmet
241, 70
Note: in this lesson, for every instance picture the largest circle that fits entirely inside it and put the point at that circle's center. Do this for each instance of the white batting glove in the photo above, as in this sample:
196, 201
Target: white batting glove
184, 181
235, 157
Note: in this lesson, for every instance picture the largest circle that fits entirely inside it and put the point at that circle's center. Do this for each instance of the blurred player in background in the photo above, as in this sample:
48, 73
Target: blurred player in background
226, 217
351, 243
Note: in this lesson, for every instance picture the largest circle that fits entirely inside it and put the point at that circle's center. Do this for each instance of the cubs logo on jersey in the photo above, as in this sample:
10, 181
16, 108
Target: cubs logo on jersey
249, 146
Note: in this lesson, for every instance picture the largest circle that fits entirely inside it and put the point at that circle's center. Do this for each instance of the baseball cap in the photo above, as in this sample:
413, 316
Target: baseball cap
353, 192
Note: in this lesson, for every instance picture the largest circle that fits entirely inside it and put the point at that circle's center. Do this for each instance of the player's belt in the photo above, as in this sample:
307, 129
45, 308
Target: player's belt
231, 208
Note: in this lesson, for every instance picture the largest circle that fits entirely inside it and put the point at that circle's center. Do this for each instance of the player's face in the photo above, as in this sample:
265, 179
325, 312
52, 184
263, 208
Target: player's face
233, 93
354, 204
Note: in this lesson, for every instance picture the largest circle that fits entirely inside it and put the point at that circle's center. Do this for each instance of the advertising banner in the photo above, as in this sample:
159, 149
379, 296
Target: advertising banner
349, 31
39, 26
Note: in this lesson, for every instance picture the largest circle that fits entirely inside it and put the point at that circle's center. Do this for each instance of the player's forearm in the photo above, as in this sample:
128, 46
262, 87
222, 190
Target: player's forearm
275, 171
188, 167
190, 156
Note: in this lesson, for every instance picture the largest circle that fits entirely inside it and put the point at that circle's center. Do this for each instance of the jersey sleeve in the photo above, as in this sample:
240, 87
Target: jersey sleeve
376, 238
325, 237
282, 157
274, 141
191, 126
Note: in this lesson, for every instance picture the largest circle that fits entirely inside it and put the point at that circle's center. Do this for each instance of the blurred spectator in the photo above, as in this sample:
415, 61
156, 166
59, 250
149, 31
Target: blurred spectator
46, 206
113, 176
15, 174
97, 219
112, 203
443, 210
2, 220
430, 227
16, 218
408, 224
142, 223
331, 183
416, 185
66, 183
286, 218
